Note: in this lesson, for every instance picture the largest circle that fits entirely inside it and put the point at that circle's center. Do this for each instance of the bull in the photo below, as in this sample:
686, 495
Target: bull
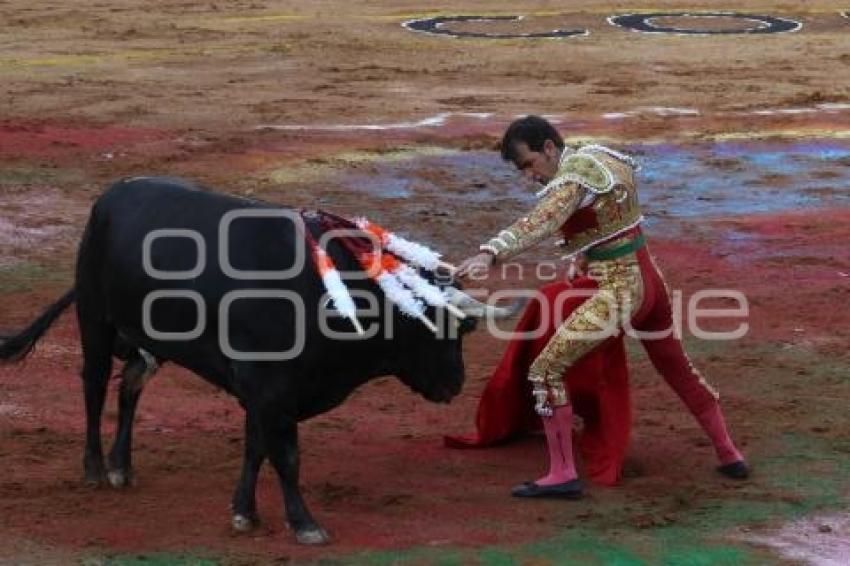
204, 302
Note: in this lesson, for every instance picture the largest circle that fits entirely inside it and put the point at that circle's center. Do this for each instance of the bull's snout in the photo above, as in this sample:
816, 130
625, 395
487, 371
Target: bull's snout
444, 392
442, 396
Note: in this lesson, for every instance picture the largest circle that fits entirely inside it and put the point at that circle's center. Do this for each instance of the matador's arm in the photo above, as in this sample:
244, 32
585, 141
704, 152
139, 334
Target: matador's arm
543, 221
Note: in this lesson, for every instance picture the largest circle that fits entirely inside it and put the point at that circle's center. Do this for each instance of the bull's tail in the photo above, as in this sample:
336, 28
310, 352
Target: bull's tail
15, 348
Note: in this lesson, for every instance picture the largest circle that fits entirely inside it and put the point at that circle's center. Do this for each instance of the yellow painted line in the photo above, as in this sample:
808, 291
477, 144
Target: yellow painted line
791, 134
305, 170
425, 15
710, 9
61, 60
132, 55
599, 11
267, 18
685, 137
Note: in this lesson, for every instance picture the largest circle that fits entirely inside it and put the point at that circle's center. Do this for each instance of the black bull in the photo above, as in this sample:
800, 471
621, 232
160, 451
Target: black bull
113, 280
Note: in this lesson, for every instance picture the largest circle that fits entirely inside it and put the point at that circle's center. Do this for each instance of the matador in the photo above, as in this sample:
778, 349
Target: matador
590, 198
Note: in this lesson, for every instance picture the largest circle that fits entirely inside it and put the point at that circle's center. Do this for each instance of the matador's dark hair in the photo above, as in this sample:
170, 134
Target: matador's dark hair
534, 131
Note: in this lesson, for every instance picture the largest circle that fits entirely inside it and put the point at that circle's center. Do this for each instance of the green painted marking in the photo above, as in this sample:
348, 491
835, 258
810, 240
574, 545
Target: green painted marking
27, 275
158, 559
12, 177
799, 471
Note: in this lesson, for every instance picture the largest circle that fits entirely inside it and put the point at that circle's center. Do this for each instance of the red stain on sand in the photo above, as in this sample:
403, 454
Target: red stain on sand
31, 138
374, 471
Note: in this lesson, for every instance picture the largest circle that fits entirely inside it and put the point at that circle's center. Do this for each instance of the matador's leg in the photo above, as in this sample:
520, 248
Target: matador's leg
593, 322
620, 295
584, 329
669, 358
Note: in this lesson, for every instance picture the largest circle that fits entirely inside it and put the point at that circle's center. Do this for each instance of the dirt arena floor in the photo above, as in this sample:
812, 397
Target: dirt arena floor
745, 145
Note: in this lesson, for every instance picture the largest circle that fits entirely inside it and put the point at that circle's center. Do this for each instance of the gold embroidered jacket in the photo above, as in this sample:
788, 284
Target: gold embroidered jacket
591, 199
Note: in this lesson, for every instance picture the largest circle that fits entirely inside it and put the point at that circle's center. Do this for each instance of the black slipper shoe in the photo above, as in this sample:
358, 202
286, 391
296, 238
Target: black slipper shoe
736, 470
567, 490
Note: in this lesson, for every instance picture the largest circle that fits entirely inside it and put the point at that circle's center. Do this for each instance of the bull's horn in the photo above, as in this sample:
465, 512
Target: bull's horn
357, 326
476, 308
455, 311
427, 322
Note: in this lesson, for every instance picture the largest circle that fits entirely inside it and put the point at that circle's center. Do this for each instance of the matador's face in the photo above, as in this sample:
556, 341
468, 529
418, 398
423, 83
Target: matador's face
539, 166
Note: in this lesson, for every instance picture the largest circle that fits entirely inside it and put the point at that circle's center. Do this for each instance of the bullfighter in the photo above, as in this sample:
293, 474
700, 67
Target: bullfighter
590, 197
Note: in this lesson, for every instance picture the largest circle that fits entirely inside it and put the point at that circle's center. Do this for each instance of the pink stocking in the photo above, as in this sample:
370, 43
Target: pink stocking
559, 440
715, 426
669, 358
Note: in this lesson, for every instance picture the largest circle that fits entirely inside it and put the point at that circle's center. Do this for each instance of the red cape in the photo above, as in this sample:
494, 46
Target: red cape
598, 387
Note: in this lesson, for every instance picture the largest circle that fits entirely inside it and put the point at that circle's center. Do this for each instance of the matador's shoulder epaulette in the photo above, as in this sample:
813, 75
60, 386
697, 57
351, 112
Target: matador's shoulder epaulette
586, 169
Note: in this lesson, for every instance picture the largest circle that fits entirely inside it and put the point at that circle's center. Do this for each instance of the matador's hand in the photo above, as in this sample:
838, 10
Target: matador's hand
541, 403
576, 266
544, 409
480, 262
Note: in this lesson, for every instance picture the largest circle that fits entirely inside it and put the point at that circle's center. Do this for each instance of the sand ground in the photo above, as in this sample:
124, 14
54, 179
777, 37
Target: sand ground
333, 104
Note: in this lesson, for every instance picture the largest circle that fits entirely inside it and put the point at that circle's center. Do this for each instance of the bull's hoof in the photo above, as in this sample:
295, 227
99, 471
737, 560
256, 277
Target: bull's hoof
314, 536
120, 478
94, 477
243, 523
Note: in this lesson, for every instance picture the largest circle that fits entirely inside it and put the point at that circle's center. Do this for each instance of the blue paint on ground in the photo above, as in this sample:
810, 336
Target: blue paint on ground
722, 179
676, 182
